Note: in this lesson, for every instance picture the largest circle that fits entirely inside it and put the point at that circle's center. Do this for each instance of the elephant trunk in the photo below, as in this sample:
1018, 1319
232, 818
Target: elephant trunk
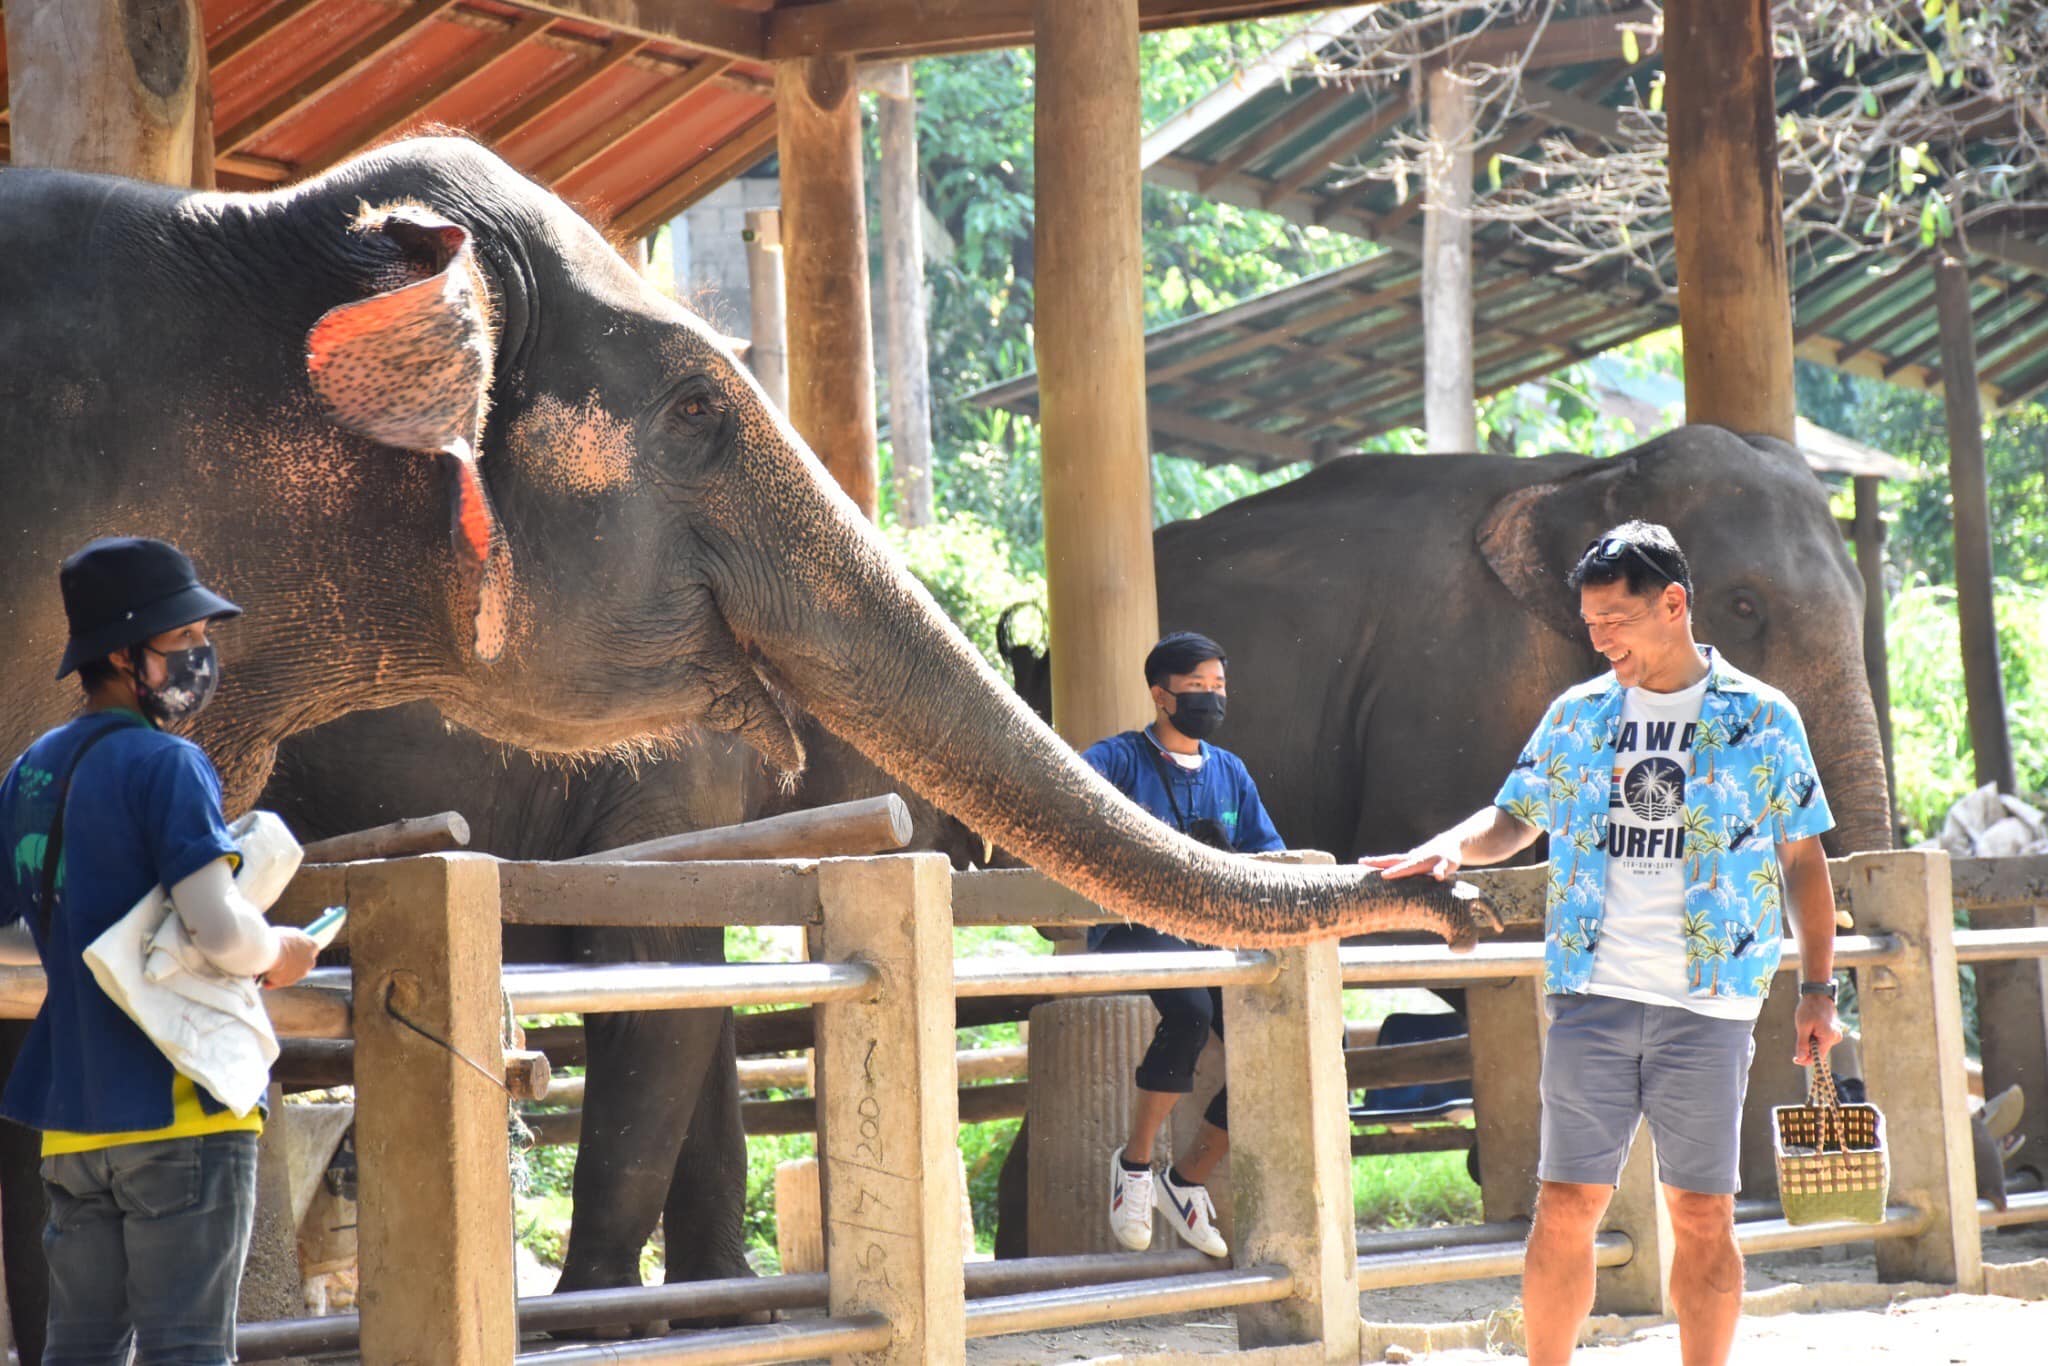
1841, 726
834, 619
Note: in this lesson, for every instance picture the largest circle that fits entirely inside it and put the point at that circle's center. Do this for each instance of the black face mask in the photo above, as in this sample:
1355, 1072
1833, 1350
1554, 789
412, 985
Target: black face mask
1196, 714
190, 679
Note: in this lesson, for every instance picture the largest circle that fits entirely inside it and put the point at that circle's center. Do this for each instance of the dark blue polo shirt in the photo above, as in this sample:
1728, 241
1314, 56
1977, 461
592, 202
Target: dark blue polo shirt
145, 811
1220, 790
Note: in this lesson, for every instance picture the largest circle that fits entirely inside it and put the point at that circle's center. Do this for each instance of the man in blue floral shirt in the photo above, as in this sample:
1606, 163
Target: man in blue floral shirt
1684, 813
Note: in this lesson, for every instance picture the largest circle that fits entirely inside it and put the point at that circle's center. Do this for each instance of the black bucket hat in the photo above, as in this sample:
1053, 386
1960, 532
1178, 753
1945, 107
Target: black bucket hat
123, 590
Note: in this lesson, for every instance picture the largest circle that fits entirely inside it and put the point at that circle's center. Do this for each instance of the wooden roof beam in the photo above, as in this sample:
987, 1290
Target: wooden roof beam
1267, 136
332, 73
741, 149
922, 27
473, 64
251, 31
1346, 307
1563, 42
723, 29
1229, 436
642, 111
1323, 157
559, 92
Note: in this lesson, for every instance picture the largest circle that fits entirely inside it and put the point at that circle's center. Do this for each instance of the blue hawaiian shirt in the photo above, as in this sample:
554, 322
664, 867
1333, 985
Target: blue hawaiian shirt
1753, 786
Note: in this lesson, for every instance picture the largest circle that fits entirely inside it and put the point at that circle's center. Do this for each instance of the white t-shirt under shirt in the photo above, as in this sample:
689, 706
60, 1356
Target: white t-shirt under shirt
1641, 953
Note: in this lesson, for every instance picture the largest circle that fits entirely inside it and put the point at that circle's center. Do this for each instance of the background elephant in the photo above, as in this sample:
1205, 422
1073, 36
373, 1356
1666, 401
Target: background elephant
442, 442
661, 1135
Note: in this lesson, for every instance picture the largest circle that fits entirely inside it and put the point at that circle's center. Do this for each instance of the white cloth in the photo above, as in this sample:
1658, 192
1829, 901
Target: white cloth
1641, 953
210, 1024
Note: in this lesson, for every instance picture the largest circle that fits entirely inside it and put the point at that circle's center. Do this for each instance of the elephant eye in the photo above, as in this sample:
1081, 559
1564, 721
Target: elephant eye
696, 407
1744, 606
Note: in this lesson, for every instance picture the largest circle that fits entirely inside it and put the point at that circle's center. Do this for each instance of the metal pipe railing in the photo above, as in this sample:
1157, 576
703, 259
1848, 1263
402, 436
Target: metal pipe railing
732, 1346
684, 986
1127, 1300
1446, 1235
2030, 1208
1471, 1261
1999, 946
1429, 965
1775, 1235
1084, 974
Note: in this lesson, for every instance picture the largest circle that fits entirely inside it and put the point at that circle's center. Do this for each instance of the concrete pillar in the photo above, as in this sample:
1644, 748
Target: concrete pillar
1291, 1152
1913, 1064
2012, 1023
910, 384
436, 1230
1102, 605
1641, 1285
825, 255
1212, 1071
767, 341
889, 1114
270, 1279
1450, 411
106, 85
1083, 1054
1734, 301
1507, 1025
1774, 1079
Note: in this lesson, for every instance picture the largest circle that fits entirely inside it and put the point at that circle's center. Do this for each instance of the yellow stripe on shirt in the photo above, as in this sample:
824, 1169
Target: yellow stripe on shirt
188, 1120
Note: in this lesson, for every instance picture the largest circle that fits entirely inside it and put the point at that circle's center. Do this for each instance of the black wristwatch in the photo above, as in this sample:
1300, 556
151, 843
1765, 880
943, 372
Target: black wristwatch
1827, 989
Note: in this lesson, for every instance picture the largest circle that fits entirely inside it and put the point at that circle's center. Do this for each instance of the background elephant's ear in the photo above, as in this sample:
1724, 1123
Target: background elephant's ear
410, 367
1532, 537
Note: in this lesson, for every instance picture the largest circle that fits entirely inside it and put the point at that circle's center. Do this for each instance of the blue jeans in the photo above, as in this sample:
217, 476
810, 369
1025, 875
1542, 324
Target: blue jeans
146, 1243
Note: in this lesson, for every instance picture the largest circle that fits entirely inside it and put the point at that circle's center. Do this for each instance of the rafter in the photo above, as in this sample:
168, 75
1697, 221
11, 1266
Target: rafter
559, 92
253, 30
741, 149
644, 110
716, 28
1324, 157
1264, 139
332, 73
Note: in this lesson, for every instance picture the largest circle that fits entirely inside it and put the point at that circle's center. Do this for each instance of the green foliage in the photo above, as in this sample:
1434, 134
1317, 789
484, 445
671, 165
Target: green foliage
966, 564
1415, 1191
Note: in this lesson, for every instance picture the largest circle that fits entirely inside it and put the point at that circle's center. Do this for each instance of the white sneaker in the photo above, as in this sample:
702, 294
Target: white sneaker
1193, 1216
1130, 1204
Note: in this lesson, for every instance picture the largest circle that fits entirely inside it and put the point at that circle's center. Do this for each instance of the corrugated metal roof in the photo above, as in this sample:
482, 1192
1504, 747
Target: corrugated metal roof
1317, 368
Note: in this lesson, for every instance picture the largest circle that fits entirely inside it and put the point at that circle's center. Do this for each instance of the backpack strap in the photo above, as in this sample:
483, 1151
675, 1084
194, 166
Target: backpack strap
53, 847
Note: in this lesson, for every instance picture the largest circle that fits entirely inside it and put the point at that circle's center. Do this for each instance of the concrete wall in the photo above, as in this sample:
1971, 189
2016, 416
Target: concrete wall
709, 256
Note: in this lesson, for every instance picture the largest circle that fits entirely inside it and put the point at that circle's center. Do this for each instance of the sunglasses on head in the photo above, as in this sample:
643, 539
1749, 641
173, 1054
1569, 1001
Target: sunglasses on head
1610, 550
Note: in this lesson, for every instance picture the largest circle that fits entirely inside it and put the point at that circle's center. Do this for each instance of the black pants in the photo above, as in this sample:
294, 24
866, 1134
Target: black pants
1187, 1016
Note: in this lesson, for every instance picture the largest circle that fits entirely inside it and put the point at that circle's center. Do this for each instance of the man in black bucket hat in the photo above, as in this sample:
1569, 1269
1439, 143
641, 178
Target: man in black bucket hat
151, 1181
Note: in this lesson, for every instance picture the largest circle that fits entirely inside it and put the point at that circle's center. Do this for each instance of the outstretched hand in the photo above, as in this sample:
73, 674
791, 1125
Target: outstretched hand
1433, 859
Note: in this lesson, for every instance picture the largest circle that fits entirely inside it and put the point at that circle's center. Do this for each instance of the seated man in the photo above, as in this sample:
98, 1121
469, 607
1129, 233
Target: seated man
1169, 769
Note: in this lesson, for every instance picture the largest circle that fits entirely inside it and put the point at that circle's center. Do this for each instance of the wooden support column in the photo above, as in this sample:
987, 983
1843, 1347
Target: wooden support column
1970, 507
910, 384
1912, 1018
1734, 304
825, 254
1642, 1284
1507, 1025
436, 1225
1450, 411
1868, 532
2012, 1022
767, 343
1290, 1152
889, 1116
1103, 607
106, 85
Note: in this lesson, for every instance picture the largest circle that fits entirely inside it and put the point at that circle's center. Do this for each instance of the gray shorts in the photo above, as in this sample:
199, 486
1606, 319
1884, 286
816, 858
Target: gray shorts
1609, 1062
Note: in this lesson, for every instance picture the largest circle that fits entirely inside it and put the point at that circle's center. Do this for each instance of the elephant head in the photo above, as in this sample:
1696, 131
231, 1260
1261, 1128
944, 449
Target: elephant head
446, 445
1774, 587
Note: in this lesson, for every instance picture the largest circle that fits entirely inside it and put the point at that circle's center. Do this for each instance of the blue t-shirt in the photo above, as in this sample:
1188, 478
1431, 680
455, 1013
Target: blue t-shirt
144, 811
1220, 791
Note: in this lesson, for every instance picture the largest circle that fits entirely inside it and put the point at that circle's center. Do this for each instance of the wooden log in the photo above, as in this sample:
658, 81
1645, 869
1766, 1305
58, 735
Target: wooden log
1970, 510
436, 834
794, 1115
1102, 603
910, 385
825, 261
527, 1074
1409, 1064
430, 1133
105, 85
300, 1012
767, 335
872, 825
799, 1217
1437, 1138
1734, 302
1450, 414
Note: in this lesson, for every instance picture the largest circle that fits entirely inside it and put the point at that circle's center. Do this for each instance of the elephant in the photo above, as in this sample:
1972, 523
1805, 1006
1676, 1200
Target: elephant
661, 1116
424, 423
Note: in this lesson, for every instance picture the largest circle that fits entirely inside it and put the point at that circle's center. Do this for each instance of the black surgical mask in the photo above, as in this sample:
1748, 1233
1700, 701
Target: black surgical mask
190, 678
1197, 714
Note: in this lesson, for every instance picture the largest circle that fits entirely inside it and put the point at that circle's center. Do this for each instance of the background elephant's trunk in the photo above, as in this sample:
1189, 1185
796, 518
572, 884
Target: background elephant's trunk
864, 648
1841, 726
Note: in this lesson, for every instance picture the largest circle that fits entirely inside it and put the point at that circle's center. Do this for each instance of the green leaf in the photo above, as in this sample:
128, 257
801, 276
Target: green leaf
1493, 171
1631, 51
1788, 129
1657, 94
1929, 224
1870, 104
1934, 68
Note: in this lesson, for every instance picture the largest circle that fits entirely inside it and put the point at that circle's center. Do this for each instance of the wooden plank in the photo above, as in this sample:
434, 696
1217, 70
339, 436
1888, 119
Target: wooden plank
472, 65
752, 142
1563, 42
301, 1012
413, 835
558, 92
1023, 896
1230, 435
337, 70
710, 28
907, 28
664, 894
869, 825
623, 124
245, 36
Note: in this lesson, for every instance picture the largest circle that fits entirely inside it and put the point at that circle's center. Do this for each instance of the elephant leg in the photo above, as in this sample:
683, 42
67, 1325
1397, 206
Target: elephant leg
705, 1220
642, 1083
1013, 1197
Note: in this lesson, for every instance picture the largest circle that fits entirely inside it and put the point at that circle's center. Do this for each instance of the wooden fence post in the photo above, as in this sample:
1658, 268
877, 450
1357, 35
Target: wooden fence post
436, 1216
888, 1125
1290, 1151
1507, 1025
1912, 1018
2012, 1021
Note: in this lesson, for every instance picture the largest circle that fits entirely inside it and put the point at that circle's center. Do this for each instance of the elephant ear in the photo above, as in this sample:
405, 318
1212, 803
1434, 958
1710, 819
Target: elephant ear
410, 367
1533, 536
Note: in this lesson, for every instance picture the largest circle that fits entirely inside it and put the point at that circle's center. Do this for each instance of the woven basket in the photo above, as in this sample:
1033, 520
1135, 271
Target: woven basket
1832, 1165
